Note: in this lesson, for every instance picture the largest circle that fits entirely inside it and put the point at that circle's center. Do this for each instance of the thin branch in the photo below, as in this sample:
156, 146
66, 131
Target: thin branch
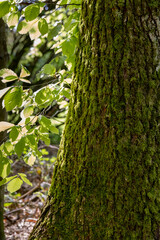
13, 211
69, 4
48, 2
30, 191
48, 146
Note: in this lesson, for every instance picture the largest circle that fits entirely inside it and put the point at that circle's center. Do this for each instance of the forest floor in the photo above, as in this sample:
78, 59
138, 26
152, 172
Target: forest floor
23, 208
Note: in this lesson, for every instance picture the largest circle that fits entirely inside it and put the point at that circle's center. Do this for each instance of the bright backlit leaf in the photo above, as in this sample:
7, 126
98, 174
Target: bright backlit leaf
31, 27
31, 160
28, 111
5, 125
5, 167
3, 91
34, 32
6, 180
9, 79
14, 185
24, 27
13, 19
8, 75
24, 72
24, 178
13, 98
24, 80
8, 147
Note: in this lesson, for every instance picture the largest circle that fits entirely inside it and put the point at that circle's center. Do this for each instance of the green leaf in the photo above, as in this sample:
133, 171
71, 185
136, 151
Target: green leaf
13, 19
45, 122
9, 79
31, 139
53, 129
28, 111
45, 138
8, 147
43, 26
66, 93
7, 72
32, 12
13, 134
6, 180
3, 91
5, 167
14, 185
8, 75
31, 120
72, 21
4, 8
24, 178
19, 147
63, 2
41, 96
54, 31
24, 72
13, 98
69, 45
74, 1
24, 27
48, 69
31, 27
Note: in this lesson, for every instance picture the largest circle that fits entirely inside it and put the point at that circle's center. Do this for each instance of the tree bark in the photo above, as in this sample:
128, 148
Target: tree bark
3, 63
106, 184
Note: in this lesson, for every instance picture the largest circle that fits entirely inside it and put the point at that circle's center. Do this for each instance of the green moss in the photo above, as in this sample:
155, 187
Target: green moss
106, 182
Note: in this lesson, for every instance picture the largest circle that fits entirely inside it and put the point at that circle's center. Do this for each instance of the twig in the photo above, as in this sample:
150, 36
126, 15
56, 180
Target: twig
48, 2
29, 192
13, 211
48, 146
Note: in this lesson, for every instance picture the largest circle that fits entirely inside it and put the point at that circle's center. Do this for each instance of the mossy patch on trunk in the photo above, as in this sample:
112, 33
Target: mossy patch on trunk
106, 181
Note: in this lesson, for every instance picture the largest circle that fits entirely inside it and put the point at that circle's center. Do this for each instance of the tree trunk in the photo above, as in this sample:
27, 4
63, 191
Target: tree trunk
106, 181
3, 63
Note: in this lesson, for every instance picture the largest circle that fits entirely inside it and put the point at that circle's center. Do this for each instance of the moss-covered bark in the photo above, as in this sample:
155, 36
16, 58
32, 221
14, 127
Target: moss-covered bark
106, 184
3, 62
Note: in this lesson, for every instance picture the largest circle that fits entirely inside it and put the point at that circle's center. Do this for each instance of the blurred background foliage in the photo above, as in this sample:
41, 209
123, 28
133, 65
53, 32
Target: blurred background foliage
41, 47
